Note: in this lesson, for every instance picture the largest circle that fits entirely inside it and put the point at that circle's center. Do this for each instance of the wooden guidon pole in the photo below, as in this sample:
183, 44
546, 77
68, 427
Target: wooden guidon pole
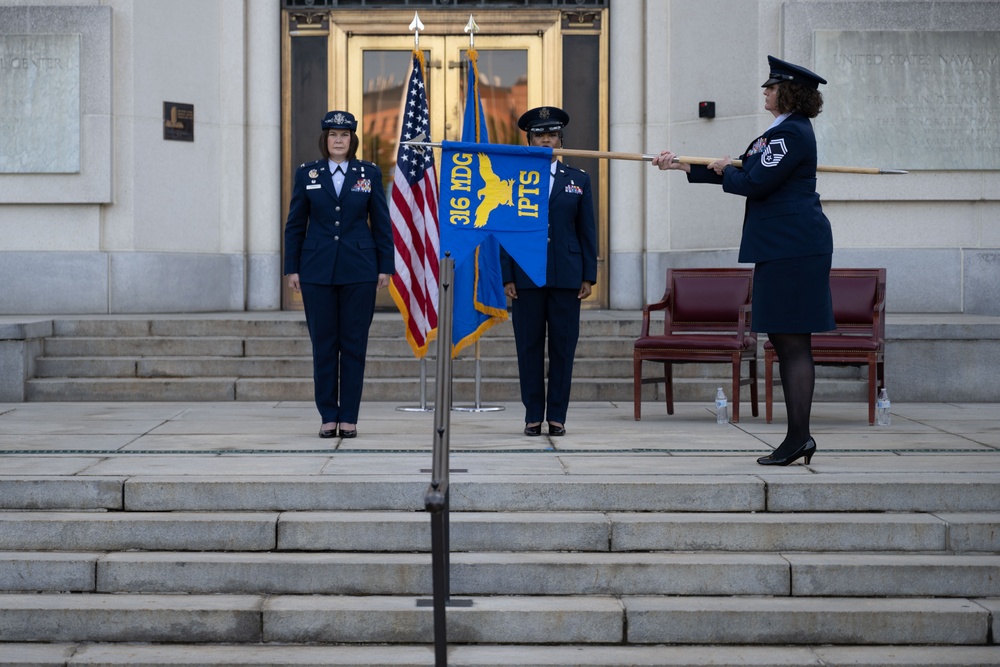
644, 157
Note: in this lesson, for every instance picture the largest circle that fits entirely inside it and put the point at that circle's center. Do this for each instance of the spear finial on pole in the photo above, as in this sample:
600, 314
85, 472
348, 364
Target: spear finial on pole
472, 29
416, 25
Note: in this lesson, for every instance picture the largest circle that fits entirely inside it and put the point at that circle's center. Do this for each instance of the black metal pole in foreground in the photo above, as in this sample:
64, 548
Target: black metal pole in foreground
436, 500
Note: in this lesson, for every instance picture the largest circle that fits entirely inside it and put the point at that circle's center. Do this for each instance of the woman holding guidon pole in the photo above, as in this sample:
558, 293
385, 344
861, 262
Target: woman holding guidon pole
786, 236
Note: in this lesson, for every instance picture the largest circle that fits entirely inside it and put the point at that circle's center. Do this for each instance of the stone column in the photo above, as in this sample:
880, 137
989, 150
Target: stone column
627, 105
263, 164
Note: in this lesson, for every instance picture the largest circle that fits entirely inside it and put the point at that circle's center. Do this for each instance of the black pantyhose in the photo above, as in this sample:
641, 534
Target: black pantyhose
798, 379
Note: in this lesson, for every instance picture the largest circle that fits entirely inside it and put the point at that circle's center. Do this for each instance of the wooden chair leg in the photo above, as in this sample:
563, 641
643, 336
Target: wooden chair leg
872, 379
637, 386
668, 382
736, 388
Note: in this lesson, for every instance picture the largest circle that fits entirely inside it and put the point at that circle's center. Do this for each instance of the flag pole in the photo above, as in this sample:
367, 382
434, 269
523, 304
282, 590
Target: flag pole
646, 157
472, 28
416, 25
422, 407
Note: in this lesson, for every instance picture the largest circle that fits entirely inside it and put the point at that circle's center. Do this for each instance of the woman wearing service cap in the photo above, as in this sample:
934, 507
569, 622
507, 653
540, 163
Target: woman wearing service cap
786, 236
338, 253
571, 273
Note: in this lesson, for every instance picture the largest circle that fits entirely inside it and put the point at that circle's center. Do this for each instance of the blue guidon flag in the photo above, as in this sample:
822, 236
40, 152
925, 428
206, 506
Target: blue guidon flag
498, 190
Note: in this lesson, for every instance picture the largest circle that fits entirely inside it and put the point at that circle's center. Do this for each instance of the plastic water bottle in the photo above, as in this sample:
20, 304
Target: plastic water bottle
721, 407
882, 415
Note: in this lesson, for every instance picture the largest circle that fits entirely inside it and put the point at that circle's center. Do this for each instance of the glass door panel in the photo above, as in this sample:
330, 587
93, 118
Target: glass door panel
503, 88
378, 72
385, 79
378, 75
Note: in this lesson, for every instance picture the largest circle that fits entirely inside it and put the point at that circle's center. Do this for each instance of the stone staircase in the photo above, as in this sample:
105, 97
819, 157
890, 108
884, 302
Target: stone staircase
249, 357
769, 569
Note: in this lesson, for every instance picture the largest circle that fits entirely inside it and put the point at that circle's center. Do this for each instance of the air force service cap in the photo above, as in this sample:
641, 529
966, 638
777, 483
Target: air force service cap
339, 120
784, 71
543, 119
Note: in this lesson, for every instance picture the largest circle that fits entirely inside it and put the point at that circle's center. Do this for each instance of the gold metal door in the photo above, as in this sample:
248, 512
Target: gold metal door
367, 63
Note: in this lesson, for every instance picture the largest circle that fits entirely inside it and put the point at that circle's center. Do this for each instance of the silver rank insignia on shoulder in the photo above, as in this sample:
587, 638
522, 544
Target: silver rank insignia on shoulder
773, 152
313, 173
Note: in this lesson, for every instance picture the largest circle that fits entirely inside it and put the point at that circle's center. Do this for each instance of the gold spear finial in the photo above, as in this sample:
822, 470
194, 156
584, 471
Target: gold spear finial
416, 25
472, 29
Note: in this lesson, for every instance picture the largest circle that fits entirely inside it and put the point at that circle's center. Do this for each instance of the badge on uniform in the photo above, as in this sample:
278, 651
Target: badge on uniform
362, 185
314, 186
313, 173
573, 189
757, 147
773, 153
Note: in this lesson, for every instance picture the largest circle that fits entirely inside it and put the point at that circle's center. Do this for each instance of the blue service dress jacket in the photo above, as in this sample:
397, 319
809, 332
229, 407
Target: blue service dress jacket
783, 217
572, 244
338, 240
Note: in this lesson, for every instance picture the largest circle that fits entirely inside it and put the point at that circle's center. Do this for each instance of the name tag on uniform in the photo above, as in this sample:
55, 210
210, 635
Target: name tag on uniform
313, 187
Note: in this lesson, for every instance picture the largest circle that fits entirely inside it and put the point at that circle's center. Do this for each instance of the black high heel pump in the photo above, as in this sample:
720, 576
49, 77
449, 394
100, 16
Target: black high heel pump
806, 451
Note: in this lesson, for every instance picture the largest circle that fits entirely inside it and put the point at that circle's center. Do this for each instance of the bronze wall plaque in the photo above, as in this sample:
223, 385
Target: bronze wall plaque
178, 121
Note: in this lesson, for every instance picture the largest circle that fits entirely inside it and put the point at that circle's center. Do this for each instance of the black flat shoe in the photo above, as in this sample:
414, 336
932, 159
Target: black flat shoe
348, 434
328, 433
533, 430
807, 450
556, 430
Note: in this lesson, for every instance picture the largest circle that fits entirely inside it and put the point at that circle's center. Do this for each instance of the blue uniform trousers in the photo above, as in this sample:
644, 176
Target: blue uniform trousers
338, 318
535, 310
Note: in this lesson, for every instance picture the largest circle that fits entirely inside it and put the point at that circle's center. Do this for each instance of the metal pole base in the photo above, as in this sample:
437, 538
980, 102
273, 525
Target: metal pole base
423, 407
477, 408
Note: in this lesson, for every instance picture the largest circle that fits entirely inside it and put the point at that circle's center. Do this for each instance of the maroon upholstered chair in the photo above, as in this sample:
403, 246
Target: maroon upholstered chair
858, 340
706, 320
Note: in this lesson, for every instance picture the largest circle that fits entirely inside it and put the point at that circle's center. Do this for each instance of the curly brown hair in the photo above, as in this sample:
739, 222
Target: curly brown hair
796, 98
352, 150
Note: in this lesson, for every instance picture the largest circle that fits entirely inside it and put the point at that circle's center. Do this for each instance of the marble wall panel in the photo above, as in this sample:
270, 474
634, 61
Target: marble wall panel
40, 106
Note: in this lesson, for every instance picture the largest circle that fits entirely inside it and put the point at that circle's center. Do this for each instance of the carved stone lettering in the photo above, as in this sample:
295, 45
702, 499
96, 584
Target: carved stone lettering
40, 104
909, 100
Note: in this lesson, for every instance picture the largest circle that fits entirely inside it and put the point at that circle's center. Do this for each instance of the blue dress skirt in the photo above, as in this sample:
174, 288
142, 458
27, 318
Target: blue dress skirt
793, 295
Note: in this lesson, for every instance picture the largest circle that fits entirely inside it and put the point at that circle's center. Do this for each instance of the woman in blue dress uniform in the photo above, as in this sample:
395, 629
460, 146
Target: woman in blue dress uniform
571, 273
338, 252
786, 236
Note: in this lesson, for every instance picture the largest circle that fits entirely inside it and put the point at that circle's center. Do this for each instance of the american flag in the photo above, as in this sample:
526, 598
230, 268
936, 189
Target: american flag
414, 212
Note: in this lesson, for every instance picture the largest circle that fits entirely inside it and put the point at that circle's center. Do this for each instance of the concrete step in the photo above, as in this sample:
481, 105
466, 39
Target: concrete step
505, 573
584, 655
159, 346
281, 346
652, 531
381, 531
613, 389
269, 358
381, 366
658, 620
301, 389
767, 491
148, 531
542, 573
384, 324
292, 367
251, 619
